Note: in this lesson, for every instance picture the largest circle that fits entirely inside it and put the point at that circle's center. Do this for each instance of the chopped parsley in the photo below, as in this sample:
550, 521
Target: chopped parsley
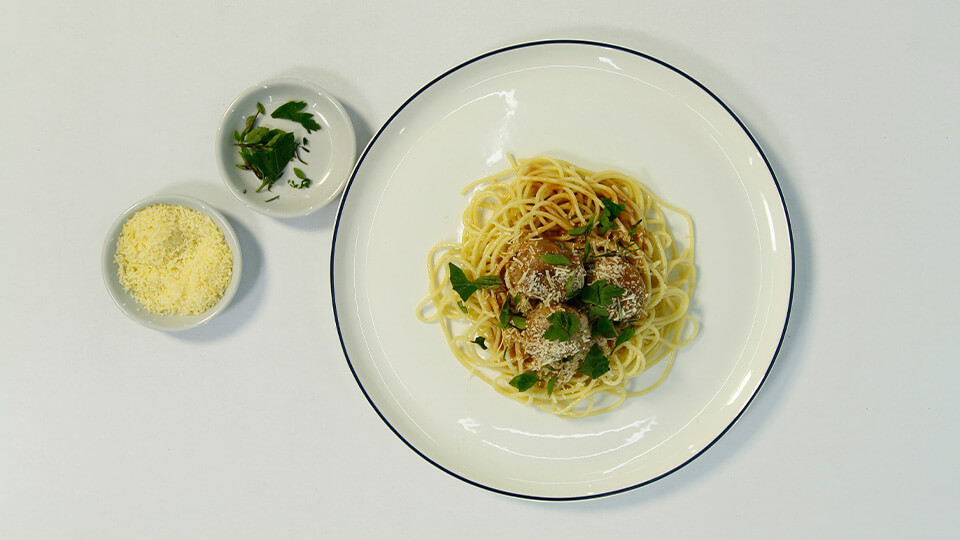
555, 258
600, 293
624, 336
570, 287
291, 111
584, 229
524, 381
563, 326
602, 326
508, 318
610, 212
595, 364
465, 287
266, 151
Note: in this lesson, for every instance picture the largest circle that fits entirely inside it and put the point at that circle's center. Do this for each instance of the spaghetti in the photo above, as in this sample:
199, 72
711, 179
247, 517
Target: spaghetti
565, 285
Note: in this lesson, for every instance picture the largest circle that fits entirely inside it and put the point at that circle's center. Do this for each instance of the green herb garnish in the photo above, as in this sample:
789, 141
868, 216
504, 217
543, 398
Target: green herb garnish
603, 327
597, 311
304, 181
554, 258
508, 319
275, 197
625, 335
600, 293
610, 212
524, 381
583, 229
290, 111
570, 287
504, 319
563, 326
595, 363
550, 384
466, 287
265, 151
481, 342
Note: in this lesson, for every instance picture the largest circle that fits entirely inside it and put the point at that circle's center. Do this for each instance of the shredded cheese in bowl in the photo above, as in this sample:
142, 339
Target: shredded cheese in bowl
173, 259
171, 262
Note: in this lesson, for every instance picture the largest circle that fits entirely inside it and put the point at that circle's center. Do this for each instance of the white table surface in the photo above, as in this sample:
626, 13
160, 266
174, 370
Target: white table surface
253, 427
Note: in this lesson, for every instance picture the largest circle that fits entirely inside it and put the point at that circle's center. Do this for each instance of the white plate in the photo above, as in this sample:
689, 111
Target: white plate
332, 149
128, 304
600, 106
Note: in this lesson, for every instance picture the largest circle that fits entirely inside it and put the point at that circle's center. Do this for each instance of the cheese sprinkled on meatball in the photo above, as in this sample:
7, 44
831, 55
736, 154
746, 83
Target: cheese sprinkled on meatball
529, 274
546, 351
621, 272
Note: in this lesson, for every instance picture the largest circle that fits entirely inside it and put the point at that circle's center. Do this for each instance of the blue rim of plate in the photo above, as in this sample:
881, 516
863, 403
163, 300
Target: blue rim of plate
356, 169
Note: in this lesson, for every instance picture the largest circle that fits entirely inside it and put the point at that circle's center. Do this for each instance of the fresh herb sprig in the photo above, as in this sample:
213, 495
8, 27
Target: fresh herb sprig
291, 111
465, 287
525, 381
595, 363
604, 221
508, 318
563, 326
266, 151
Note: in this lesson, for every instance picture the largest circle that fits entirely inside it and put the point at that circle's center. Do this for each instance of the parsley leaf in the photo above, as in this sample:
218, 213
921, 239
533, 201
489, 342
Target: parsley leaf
304, 181
481, 342
524, 381
290, 111
600, 293
266, 152
610, 212
597, 311
563, 326
554, 258
625, 335
256, 135
583, 229
466, 287
504, 319
603, 327
595, 364
570, 287
508, 319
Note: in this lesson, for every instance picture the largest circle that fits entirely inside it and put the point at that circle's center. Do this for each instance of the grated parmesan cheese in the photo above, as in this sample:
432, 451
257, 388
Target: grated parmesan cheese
173, 260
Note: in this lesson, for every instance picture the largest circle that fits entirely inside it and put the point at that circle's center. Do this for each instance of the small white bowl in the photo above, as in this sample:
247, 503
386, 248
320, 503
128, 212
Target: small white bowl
331, 157
129, 305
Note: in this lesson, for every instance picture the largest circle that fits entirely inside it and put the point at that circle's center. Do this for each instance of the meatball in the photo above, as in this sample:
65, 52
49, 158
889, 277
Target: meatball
619, 271
546, 351
529, 274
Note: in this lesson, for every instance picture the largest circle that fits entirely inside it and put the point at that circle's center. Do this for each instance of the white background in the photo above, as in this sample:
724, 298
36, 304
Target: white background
253, 427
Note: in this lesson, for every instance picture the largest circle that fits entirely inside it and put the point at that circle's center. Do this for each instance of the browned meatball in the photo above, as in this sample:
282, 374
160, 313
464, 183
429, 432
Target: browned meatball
546, 351
624, 274
529, 274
